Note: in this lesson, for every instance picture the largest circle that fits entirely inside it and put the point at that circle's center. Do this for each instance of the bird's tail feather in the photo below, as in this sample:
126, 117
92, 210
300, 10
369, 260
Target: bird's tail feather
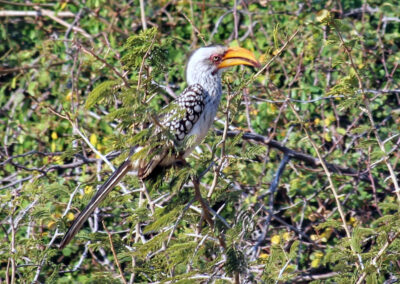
99, 197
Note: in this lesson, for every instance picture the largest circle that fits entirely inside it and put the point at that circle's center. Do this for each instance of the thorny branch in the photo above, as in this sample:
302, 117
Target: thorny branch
297, 155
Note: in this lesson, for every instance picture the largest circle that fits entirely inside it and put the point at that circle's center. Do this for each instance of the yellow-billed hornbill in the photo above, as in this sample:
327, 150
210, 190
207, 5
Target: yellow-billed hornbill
199, 103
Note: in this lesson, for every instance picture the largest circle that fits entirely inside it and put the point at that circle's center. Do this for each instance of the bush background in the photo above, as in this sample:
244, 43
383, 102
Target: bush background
329, 88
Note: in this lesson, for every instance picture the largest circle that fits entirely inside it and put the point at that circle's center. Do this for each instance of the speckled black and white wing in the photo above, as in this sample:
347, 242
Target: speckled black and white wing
186, 111
189, 107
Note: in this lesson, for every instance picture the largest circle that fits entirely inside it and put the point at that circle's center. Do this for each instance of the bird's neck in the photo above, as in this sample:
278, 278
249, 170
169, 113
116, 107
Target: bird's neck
211, 83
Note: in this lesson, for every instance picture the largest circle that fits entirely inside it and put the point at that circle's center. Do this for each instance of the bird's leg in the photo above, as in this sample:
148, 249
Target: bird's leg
203, 203
206, 210
146, 193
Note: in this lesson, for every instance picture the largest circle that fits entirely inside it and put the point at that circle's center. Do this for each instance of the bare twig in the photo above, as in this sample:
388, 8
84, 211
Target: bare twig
312, 277
143, 15
23, 68
366, 9
53, 16
12, 248
33, 14
25, 4
122, 76
195, 28
114, 253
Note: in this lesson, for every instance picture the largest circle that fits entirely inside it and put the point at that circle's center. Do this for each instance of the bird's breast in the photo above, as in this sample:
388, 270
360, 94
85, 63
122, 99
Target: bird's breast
201, 127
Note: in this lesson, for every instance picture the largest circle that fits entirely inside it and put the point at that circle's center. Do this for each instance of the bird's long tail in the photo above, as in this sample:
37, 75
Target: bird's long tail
99, 197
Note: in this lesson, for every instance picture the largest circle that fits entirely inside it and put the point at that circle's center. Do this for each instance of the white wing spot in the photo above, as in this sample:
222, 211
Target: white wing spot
197, 108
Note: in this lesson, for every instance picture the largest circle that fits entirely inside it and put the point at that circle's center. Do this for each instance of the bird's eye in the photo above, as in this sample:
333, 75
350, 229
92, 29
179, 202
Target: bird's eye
216, 58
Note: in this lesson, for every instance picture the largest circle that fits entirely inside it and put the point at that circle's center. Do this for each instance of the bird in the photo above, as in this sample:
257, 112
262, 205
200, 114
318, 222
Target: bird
197, 105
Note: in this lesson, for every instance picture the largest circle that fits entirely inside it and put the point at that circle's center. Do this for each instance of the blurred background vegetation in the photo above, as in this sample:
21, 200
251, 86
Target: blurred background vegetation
328, 88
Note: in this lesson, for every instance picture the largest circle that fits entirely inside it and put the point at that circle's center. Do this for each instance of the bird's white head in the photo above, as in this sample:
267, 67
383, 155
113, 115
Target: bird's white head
206, 63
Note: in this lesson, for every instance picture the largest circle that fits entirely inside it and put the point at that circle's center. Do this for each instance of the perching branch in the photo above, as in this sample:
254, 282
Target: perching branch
299, 156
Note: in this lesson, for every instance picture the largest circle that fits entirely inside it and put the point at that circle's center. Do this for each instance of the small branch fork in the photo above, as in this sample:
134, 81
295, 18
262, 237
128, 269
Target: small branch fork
92, 147
386, 245
299, 156
55, 18
90, 52
273, 187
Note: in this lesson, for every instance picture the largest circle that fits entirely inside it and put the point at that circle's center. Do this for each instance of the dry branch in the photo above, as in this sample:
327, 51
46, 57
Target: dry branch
296, 155
33, 14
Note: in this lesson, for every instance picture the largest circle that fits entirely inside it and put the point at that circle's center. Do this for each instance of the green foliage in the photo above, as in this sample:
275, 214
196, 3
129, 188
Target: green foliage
145, 46
235, 261
163, 218
103, 90
113, 86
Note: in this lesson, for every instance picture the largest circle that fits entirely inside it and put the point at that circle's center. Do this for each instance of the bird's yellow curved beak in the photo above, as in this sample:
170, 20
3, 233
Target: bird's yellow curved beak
238, 56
